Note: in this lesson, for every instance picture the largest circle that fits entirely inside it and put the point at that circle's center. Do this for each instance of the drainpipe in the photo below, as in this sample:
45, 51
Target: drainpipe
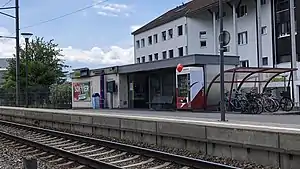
234, 29
186, 36
215, 33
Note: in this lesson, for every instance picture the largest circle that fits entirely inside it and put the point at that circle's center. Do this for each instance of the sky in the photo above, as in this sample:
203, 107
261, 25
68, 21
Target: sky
95, 37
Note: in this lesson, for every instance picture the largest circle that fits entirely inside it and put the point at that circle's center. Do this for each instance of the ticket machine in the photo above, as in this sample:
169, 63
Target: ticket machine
190, 88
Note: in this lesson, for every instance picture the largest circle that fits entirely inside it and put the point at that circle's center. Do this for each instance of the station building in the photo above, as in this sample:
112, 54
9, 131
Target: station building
188, 34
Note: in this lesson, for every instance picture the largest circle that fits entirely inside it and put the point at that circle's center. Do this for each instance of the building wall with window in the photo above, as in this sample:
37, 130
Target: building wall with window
200, 35
203, 35
170, 42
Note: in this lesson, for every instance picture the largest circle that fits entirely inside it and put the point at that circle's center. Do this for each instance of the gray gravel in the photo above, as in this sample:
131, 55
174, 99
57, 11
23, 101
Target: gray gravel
10, 158
182, 152
199, 155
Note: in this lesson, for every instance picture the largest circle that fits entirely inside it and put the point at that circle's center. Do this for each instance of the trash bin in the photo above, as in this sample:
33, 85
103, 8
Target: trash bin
96, 101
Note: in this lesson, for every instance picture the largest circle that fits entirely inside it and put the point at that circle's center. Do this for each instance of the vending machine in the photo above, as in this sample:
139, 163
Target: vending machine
190, 88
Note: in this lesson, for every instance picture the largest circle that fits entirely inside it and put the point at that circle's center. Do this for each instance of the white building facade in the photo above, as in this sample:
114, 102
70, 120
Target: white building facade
197, 33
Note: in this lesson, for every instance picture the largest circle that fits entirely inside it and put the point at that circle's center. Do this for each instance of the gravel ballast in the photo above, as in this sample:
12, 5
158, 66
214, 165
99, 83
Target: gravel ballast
11, 158
199, 155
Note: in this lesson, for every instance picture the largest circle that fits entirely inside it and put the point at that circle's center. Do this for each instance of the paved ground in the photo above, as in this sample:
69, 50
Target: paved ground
287, 120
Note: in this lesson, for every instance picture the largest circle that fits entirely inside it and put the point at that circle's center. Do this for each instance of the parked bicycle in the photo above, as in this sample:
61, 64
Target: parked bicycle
255, 103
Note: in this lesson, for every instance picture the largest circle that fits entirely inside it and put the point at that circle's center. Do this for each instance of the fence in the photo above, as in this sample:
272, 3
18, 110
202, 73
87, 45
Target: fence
38, 99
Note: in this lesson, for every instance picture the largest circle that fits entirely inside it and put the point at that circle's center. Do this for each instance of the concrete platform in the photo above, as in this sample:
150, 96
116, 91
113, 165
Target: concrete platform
265, 139
283, 119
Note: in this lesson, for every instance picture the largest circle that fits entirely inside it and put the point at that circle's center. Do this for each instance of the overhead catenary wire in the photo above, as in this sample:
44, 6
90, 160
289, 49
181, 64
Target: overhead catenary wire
59, 17
62, 16
6, 3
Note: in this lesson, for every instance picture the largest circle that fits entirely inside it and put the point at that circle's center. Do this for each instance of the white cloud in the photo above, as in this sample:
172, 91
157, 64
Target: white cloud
106, 14
112, 9
114, 56
135, 27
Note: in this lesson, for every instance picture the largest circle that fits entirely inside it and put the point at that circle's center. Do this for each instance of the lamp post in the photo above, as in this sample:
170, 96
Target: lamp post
26, 36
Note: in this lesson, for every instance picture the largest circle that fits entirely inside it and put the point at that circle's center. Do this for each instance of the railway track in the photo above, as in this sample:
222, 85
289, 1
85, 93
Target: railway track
75, 151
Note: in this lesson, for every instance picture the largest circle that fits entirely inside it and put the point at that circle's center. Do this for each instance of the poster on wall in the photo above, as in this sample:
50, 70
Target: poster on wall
81, 92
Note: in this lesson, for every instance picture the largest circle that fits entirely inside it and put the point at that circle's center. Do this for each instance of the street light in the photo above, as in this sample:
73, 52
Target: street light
26, 36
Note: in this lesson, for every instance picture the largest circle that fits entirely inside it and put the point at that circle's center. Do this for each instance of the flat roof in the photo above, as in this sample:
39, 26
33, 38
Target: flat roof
196, 59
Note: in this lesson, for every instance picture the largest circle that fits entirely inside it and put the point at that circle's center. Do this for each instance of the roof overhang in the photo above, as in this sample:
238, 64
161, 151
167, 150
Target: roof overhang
196, 59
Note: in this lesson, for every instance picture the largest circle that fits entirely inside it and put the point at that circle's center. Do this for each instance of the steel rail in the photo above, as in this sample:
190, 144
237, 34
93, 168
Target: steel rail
182, 160
65, 154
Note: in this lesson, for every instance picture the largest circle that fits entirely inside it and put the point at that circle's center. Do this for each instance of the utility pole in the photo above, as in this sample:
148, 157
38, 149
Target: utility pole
17, 37
293, 44
222, 88
259, 41
17, 19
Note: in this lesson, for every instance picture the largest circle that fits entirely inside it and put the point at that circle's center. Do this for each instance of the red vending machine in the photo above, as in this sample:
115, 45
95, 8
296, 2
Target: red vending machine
190, 88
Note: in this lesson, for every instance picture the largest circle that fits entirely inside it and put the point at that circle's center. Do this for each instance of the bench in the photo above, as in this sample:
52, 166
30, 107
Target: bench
161, 102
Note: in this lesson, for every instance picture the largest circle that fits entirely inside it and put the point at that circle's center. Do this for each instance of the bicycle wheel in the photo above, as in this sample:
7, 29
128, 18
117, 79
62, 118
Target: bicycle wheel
244, 105
277, 104
270, 105
254, 107
260, 106
236, 106
286, 104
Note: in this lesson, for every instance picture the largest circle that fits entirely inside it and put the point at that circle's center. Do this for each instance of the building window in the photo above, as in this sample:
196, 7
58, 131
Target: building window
263, 2
242, 11
186, 50
156, 56
244, 63
171, 53
180, 51
143, 42
242, 38
202, 43
143, 59
164, 35
202, 34
180, 30
164, 54
264, 30
149, 40
138, 44
155, 38
170, 33
138, 60
284, 29
265, 61
150, 58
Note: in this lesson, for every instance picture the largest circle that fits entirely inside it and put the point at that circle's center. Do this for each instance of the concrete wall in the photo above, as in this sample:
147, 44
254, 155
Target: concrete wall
94, 87
120, 97
115, 96
123, 91
266, 145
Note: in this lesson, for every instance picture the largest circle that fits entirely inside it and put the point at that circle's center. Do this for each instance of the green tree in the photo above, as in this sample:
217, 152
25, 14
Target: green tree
45, 67
61, 95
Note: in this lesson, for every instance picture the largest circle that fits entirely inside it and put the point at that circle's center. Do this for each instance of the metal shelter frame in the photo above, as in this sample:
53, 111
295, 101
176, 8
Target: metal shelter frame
251, 71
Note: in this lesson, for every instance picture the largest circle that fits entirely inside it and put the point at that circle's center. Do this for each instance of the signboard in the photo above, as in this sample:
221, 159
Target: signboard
81, 92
